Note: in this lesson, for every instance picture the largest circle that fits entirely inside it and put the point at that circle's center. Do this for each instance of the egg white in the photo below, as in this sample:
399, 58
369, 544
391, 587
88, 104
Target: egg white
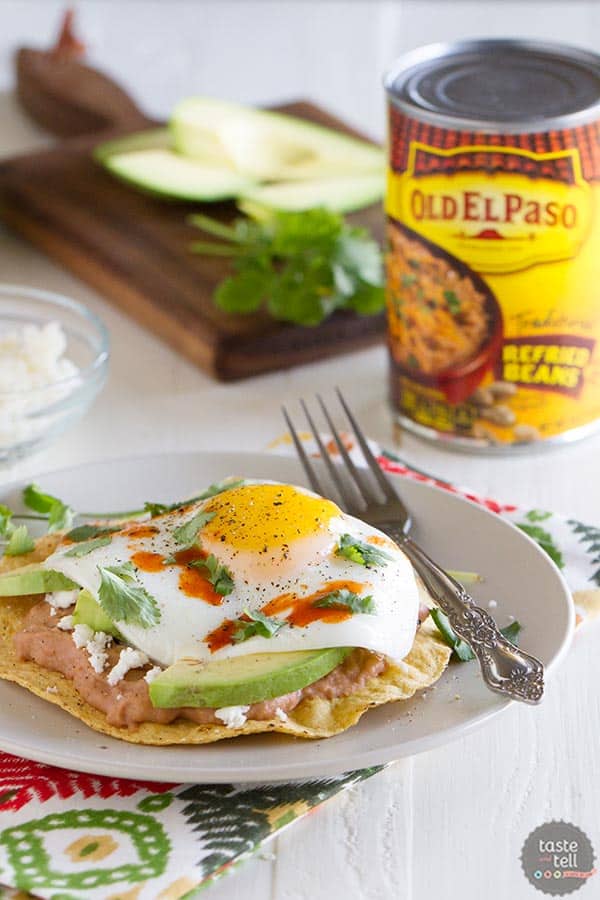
185, 621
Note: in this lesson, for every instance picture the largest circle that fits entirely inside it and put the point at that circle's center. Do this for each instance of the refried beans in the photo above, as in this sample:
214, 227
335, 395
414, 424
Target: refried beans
127, 703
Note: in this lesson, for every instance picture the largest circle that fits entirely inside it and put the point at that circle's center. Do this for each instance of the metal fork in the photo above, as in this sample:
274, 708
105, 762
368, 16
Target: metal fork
505, 668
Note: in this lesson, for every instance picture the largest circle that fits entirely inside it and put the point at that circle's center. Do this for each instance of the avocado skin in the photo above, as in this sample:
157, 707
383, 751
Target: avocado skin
89, 612
34, 581
241, 680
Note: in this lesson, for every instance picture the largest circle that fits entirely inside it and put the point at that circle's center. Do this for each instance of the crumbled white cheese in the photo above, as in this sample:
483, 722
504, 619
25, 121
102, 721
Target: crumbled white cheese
52, 690
281, 715
97, 648
62, 599
66, 623
31, 361
492, 604
232, 716
95, 643
128, 659
81, 635
52, 611
152, 673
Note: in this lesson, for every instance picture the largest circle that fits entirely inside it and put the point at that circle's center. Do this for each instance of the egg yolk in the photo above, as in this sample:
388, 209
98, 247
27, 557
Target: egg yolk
261, 517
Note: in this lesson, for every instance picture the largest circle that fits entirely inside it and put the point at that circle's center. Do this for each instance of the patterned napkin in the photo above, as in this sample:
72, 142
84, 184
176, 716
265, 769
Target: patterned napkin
69, 836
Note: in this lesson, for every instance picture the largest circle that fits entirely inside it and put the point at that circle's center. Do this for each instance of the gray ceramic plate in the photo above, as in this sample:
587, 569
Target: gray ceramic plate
461, 535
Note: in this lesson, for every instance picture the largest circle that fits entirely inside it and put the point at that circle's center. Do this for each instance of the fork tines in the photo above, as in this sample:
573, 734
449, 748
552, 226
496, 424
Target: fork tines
353, 485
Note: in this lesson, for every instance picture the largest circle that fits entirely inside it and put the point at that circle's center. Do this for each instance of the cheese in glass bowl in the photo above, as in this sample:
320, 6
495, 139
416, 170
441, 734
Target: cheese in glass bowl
54, 357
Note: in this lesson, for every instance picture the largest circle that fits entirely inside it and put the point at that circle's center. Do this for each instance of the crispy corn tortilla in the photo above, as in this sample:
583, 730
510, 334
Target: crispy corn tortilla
312, 718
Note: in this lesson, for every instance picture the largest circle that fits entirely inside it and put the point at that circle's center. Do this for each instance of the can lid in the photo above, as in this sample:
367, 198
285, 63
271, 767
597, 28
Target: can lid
498, 84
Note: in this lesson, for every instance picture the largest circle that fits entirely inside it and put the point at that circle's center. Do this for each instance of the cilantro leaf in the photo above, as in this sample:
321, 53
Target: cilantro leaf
123, 599
219, 576
85, 532
60, 515
460, 648
304, 292
34, 498
348, 599
20, 542
258, 624
157, 509
367, 299
295, 232
360, 552
511, 632
187, 534
244, 292
82, 549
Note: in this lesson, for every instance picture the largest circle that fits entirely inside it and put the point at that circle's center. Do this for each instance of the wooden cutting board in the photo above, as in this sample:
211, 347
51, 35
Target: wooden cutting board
133, 248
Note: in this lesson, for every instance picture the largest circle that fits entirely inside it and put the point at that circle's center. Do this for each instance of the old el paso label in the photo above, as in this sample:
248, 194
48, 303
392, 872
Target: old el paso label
495, 219
554, 362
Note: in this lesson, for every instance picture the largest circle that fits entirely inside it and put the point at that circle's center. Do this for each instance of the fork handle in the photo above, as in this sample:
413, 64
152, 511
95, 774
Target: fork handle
504, 667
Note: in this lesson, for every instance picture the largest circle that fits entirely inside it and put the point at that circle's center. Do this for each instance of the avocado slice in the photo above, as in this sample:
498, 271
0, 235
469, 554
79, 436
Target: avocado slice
241, 680
161, 171
268, 146
34, 580
342, 195
153, 139
89, 612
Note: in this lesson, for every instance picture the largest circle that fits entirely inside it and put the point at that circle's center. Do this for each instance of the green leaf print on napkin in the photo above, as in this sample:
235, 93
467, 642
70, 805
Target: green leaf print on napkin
589, 535
542, 538
231, 821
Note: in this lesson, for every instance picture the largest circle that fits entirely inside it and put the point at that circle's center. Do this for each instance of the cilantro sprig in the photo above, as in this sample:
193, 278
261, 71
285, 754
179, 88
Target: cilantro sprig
256, 623
460, 648
300, 266
345, 599
360, 552
219, 575
123, 599
158, 509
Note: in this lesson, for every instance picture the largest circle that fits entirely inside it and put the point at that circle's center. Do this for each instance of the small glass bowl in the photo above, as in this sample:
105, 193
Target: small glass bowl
32, 417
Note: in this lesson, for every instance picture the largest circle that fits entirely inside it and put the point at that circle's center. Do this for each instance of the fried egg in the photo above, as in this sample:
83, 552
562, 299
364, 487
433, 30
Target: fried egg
279, 549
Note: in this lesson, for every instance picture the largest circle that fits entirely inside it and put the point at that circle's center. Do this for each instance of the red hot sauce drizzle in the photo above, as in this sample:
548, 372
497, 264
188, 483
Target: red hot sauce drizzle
302, 609
302, 612
192, 581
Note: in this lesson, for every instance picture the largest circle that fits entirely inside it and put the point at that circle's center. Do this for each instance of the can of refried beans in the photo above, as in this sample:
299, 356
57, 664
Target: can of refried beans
493, 259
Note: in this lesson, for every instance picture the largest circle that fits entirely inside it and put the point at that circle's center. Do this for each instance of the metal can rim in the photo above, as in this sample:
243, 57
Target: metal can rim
440, 50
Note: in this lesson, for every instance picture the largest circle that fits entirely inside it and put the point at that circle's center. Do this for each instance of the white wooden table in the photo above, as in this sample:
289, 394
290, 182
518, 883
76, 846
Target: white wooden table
450, 822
